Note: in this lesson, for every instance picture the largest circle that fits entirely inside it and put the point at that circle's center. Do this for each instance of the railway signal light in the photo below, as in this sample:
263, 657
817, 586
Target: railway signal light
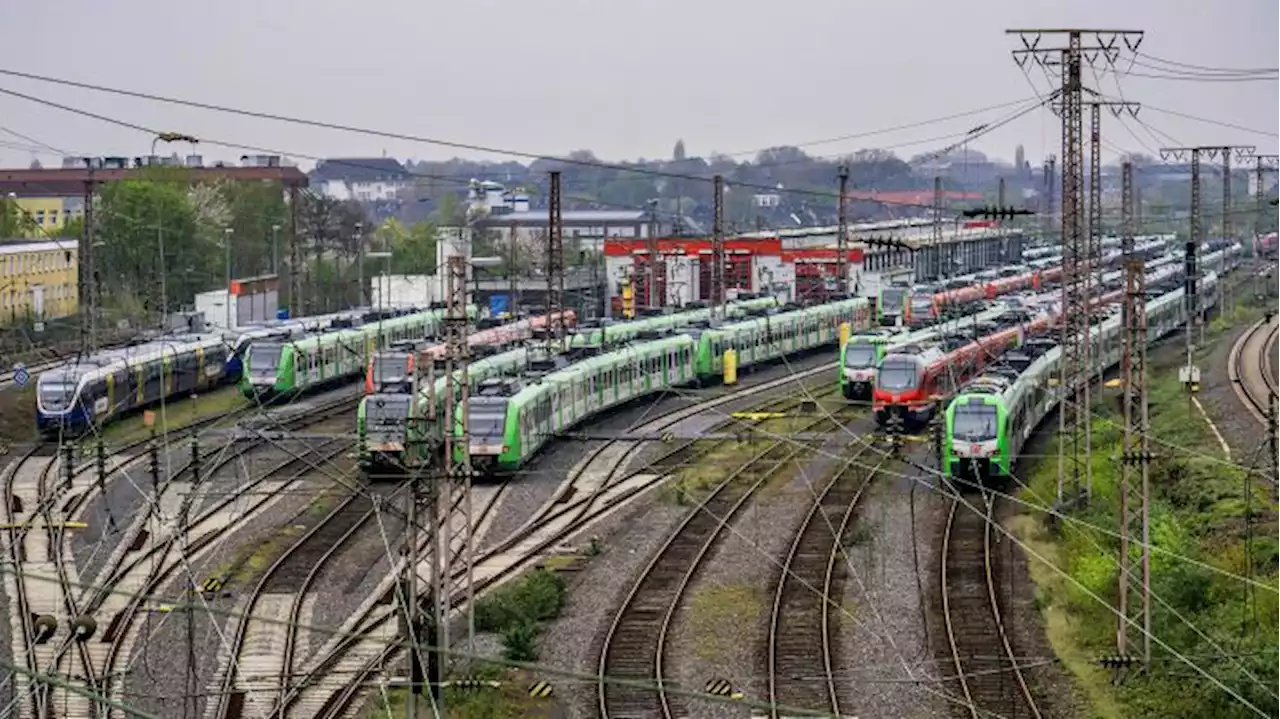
996, 213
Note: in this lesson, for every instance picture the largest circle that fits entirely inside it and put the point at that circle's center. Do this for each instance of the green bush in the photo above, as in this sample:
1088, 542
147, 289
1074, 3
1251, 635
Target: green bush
519, 642
536, 597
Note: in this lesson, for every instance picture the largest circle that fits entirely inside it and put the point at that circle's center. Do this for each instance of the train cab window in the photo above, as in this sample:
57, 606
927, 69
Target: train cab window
975, 423
896, 376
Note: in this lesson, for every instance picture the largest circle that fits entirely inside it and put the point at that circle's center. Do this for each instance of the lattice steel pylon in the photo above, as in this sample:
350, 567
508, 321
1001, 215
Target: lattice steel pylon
1050, 189
842, 234
717, 249
456, 495
1261, 165
555, 264
1134, 516
1073, 415
935, 235
1190, 374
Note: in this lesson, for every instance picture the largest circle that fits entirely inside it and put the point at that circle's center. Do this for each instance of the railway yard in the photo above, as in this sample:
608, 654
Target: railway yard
760, 548
911, 456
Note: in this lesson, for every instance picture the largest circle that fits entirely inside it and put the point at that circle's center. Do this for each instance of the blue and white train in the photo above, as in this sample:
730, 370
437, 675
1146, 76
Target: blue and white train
91, 391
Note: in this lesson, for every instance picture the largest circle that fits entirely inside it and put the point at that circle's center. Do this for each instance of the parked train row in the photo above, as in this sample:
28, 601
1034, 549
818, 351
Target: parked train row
912, 378
989, 422
94, 390
514, 411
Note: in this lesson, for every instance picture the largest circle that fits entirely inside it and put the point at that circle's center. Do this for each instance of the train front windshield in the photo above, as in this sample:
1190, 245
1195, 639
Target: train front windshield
264, 357
891, 300
922, 306
896, 376
974, 423
485, 423
390, 368
56, 391
860, 356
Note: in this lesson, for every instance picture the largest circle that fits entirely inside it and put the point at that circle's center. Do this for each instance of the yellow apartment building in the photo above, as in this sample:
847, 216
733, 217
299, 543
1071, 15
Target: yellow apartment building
38, 279
50, 213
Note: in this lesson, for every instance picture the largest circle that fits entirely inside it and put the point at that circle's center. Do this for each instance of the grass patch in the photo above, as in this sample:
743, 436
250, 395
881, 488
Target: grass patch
1197, 511
694, 481
518, 610
175, 416
717, 614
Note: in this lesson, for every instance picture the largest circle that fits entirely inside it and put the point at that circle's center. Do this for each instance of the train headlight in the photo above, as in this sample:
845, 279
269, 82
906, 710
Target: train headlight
505, 449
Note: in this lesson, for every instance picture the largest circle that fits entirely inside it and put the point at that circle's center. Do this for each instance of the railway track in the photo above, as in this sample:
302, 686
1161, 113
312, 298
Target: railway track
986, 668
611, 475
1251, 368
803, 640
52, 500
163, 557
635, 643
263, 646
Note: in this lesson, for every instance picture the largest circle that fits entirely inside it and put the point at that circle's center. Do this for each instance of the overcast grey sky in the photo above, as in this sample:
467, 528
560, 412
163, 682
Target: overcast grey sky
625, 79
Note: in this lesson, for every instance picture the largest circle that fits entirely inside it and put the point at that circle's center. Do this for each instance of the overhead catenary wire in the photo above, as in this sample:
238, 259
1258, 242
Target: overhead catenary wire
474, 147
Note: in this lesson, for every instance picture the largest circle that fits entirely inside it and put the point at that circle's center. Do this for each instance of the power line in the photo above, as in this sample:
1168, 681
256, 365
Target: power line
1208, 68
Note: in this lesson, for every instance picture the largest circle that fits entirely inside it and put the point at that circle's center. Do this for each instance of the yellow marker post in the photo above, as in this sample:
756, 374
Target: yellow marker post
730, 366
844, 334
628, 299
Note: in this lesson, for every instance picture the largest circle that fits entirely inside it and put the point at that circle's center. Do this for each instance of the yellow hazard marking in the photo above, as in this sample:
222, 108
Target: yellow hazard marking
722, 688
540, 689
757, 416
668, 436
211, 585
64, 525
164, 608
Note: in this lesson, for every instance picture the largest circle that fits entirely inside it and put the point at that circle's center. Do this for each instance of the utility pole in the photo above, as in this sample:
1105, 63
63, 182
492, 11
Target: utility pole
652, 300
717, 250
555, 264
1073, 417
935, 269
295, 268
1050, 185
1092, 265
457, 458
1190, 374
360, 263
1261, 165
1227, 234
842, 236
1134, 499
513, 282
88, 270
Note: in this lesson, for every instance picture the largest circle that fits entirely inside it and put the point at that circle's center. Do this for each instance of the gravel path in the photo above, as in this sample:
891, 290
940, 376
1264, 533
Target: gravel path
723, 620
1244, 434
572, 642
890, 559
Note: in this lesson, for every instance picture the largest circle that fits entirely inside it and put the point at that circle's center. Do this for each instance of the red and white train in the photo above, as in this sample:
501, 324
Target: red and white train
911, 384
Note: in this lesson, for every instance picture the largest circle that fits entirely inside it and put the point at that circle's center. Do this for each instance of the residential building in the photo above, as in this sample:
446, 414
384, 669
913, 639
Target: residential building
50, 213
364, 179
38, 279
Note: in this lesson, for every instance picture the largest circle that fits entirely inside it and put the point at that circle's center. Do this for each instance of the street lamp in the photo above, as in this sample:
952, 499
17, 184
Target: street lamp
226, 234
384, 287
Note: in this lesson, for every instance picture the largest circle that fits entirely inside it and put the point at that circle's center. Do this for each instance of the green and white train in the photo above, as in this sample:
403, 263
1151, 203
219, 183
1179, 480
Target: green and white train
504, 432
620, 332
509, 421
988, 423
273, 367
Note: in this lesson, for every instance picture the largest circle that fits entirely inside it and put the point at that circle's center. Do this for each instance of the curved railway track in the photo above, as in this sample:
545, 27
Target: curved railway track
986, 667
635, 643
803, 640
1252, 370
263, 646
609, 476
113, 597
